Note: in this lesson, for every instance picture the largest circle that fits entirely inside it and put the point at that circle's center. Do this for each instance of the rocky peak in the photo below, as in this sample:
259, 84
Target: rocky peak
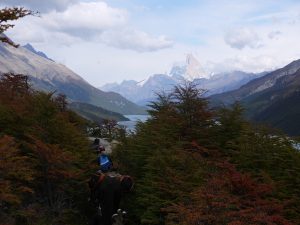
191, 70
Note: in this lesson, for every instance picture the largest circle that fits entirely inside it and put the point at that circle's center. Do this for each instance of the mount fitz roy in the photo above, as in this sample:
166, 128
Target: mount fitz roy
47, 75
143, 92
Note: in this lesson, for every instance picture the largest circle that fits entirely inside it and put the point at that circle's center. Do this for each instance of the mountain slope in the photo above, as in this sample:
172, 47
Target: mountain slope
272, 99
94, 113
256, 86
51, 76
32, 49
279, 105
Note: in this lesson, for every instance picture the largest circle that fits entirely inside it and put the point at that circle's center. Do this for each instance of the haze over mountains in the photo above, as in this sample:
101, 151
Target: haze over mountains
47, 75
145, 91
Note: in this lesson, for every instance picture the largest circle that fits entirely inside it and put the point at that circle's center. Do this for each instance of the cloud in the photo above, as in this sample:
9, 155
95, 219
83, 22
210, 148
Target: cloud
274, 34
86, 19
245, 63
40, 5
95, 22
135, 40
241, 38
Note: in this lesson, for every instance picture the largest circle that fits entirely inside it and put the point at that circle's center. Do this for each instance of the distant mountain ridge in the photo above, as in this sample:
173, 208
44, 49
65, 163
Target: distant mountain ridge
143, 92
272, 99
48, 75
257, 85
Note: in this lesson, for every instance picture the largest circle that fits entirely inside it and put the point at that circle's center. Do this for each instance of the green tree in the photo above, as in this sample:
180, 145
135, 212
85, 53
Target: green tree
51, 148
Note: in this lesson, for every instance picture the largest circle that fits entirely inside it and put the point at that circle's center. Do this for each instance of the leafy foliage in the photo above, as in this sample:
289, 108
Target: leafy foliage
228, 197
11, 14
44, 157
196, 166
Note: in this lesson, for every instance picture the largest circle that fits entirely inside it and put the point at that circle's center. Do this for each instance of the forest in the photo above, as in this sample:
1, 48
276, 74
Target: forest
191, 164
195, 165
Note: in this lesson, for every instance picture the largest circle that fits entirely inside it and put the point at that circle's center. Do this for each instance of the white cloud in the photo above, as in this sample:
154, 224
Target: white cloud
242, 37
86, 19
246, 63
135, 40
40, 5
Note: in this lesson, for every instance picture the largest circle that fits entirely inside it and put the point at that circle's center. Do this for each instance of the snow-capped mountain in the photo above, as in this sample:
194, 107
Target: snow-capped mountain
191, 70
143, 92
48, 75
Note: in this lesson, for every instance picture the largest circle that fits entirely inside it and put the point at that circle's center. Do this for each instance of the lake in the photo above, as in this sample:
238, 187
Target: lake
133, 119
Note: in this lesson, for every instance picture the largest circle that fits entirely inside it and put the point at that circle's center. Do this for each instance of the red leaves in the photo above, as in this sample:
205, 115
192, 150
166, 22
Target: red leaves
15, 171
230, 197
54, 162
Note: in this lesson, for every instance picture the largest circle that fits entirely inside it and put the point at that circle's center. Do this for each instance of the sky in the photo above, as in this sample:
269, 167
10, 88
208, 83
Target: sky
115, 40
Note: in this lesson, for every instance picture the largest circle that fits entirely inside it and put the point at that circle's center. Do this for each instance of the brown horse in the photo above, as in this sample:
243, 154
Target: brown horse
107, 190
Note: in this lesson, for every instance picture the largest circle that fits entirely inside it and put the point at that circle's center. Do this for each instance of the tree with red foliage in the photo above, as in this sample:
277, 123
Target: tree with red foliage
229, 197
14, 186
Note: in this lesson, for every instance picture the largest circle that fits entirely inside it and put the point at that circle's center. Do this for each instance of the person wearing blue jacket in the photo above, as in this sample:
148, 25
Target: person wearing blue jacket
103, 160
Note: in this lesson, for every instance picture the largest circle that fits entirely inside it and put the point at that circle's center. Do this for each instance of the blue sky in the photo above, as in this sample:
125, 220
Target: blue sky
113, 40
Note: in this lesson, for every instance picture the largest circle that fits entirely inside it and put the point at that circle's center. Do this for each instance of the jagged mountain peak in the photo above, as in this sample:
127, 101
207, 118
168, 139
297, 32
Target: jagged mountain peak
32, 49
21, 60
191, 70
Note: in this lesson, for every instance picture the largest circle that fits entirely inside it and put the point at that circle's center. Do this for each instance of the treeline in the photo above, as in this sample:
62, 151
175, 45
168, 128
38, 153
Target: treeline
44, 157
193, 165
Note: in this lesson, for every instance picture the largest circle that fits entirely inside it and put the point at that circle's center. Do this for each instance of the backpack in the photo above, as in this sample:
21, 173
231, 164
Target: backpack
105, 163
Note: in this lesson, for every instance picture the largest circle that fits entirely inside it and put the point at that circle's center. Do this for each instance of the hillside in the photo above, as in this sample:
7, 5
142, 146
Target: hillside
272, 99
94, 113
278, 106
50, 76
255, 86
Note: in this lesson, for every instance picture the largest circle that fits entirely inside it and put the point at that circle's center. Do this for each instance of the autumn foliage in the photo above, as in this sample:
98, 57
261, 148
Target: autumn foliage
229, 197
193, 165
7, 15
44, 156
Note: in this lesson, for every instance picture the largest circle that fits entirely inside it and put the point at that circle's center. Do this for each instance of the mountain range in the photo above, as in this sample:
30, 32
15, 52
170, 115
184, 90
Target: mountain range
143, 92
272, 99
47, 75
269, 97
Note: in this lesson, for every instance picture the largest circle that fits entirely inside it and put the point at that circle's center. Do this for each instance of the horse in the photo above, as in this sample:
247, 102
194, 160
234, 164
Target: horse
106, 192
